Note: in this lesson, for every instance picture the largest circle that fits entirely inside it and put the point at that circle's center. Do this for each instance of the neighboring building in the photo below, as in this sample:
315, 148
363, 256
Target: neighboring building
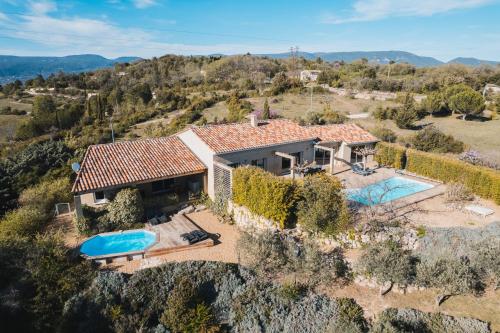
309, 75
202, 158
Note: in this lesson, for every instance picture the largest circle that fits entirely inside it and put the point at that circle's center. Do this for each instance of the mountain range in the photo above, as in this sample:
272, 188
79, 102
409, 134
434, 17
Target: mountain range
23, 68
384, 57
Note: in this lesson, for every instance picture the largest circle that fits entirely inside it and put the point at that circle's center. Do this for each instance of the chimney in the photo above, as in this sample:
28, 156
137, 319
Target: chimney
253, 120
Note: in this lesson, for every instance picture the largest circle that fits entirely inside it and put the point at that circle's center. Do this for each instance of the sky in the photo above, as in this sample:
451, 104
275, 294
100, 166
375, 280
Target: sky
443, 29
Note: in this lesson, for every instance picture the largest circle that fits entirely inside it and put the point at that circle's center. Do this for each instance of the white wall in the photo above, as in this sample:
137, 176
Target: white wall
204, 154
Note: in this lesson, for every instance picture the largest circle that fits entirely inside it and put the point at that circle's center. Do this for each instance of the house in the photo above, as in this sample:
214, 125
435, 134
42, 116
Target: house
309, 75
203, 157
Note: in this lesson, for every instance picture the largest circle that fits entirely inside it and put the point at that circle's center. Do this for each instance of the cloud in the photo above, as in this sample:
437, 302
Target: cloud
144, 3
372, 10
76, 35
42, 7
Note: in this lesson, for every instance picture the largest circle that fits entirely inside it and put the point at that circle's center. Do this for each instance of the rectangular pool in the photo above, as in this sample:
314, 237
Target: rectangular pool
386, 190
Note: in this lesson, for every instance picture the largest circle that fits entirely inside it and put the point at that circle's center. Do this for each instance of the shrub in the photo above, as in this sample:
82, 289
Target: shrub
126, 209
388, 262
390, 155
381, 113
322, 207
385, 134
453, 276
23, 222
431, 139
473, 157
457, 192
480, 180
264, 194
411, 320
406, 115
47, 193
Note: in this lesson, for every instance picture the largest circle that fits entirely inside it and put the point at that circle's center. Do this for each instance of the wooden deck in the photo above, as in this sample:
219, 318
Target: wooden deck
170, 239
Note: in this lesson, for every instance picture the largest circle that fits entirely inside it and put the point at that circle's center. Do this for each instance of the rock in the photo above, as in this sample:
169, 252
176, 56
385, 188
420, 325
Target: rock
385, 288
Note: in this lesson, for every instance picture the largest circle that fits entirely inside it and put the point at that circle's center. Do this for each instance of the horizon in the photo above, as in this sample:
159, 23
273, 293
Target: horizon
150, 28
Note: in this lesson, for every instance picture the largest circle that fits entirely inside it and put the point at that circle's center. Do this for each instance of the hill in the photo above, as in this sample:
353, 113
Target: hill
23, 68
382, 57
473, 62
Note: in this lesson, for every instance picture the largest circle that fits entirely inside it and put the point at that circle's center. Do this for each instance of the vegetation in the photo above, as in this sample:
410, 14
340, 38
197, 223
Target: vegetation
406, 115
482, 181
391, 155
126, 210
264, 194
431, 139
385, 134
322, 207
328, 116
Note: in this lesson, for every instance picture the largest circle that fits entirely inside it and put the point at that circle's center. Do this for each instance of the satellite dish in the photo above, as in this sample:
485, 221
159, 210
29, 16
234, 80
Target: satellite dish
75, 166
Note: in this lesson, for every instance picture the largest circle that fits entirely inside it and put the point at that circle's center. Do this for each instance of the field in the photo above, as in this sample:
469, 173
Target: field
294, 106
9, 123
480, 136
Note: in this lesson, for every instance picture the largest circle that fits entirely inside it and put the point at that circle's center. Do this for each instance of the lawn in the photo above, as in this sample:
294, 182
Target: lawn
293, 106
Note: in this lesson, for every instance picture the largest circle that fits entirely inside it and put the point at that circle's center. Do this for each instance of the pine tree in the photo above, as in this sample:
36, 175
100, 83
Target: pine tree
266, 113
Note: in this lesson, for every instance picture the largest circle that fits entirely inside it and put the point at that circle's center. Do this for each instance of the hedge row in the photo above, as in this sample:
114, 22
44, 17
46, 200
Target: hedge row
482, 181
265, 194
390, 154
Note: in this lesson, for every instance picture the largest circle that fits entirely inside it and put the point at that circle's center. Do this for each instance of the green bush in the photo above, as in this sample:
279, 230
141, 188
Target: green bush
385, 134
390, 155
482, 181
23, 222
433, 140
46, 194
322, 207
265, 194
126, 209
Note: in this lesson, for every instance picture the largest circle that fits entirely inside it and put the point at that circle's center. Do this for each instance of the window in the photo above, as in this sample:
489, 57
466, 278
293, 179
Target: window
100, 197
322, 156
261, 163
164, 185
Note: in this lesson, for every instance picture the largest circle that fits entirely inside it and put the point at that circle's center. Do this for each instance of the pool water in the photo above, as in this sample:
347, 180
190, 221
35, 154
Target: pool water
386, 190
119, 242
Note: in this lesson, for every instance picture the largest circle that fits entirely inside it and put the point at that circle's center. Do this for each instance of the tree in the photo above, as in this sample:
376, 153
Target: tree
434, 102
468, 102
406, 115
323, 207
126, 209
388, 262
266, 112
44, 111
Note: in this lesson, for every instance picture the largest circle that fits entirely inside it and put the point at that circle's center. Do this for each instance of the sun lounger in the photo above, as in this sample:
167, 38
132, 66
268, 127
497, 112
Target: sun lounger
479, 210
358, 169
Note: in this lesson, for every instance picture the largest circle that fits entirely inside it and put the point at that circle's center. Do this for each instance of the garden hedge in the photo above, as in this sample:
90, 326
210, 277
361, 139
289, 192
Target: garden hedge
265, 194
484, 182
391, 154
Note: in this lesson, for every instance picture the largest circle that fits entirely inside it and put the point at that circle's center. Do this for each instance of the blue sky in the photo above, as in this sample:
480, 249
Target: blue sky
440, 28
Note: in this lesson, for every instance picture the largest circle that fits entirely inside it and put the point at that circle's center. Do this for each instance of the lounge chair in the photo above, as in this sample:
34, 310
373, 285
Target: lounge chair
358, 169
479, 210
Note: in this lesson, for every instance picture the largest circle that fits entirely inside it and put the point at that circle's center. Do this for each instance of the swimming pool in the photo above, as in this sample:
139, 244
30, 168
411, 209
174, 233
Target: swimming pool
118, 242
386, 190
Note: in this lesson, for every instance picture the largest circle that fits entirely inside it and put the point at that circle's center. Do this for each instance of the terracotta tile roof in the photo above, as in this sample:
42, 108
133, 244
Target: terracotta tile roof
134, 162
234, 137
348, 133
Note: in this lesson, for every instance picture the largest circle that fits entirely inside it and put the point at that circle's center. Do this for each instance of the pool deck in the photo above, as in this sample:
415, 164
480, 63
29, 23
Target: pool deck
169, 236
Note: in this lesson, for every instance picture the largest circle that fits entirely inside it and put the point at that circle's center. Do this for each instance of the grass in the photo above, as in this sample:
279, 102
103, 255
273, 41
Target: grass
14, 104
298, 106
8, 126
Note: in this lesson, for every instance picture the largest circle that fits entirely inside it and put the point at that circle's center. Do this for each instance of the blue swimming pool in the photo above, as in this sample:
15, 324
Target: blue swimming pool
118, 242
386, 190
